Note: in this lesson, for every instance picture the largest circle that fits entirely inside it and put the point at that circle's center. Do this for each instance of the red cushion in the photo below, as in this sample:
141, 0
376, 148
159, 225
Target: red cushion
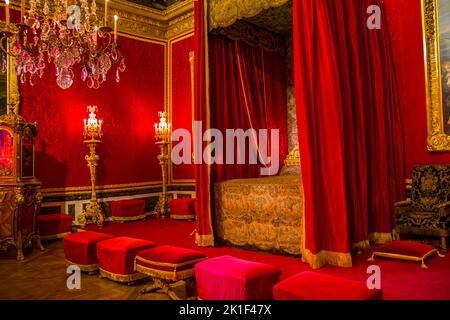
406, 248
230, 278
316, 286
117, 255
128, 208
54, 224
182, 206
80, 247
169, 258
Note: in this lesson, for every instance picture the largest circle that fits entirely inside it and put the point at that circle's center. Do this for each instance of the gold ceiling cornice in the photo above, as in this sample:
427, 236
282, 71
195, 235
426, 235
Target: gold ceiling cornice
142, 21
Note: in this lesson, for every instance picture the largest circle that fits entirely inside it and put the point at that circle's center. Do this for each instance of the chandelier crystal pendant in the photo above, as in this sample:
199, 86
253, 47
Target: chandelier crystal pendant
67, 34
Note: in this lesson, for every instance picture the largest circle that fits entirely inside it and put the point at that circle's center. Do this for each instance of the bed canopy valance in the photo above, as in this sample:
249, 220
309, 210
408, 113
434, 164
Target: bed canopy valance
224, 13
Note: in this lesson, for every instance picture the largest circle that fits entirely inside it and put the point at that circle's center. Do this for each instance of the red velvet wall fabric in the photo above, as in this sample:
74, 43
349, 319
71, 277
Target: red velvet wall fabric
182, 108
405, 25
128, 109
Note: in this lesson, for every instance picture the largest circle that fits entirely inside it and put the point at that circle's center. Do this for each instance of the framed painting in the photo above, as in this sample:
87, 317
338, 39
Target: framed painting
436, 28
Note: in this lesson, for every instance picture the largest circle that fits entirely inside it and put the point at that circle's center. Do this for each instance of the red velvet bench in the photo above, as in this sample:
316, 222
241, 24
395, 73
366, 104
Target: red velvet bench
80, 249
230, 278
128, 210
54, 226
116, 258
317, 286
167, 265
182, 209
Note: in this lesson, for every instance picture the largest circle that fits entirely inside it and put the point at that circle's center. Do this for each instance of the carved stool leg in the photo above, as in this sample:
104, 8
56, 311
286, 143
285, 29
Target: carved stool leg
162, 285
191, 287
39, 243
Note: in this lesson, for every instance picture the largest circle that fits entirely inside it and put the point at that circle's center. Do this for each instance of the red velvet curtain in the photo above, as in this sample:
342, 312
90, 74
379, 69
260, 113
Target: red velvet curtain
350, 128
248, 90
204, 235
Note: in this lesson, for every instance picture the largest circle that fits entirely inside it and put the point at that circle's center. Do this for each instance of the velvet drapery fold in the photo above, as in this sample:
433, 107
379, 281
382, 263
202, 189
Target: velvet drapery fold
204, 231
350, 128
247, 91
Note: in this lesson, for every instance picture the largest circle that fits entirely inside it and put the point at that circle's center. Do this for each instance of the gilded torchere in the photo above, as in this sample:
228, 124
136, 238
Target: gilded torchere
162, 137
92, 134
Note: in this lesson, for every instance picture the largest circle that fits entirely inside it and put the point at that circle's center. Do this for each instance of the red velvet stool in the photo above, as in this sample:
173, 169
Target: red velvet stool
167, 265
116, 258
182, 209
230, 278
128, 210
54, 226
80, 249
317, 286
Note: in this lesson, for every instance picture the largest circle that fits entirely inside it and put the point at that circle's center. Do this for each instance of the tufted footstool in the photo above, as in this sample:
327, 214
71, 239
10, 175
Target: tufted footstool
317, 286
128, 210
116, 258
230, 278
182, 209
54, 226
80, 249
167, 265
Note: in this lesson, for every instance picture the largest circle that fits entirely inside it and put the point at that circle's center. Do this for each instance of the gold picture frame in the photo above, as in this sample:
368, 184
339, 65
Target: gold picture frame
438, 98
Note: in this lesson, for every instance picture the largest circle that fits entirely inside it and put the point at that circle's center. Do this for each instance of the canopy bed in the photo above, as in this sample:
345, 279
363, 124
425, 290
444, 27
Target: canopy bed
248, 42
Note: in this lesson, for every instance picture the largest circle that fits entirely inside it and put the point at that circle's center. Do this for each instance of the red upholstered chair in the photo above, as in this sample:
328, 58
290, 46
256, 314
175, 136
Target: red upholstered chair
166, 265
317, 286
230, 278
128, 210
116, 258
54, 226
182, 209
80, 249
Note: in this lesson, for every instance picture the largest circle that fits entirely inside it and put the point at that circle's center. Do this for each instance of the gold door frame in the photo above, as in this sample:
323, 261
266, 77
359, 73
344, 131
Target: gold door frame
438, 140
12, 84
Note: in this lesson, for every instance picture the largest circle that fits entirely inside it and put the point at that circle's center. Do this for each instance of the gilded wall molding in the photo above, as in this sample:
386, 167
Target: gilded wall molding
223, 13
145, 22
438, 140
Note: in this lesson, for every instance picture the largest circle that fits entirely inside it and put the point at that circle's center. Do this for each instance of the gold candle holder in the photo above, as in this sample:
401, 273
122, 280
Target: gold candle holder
92, 134
162, 136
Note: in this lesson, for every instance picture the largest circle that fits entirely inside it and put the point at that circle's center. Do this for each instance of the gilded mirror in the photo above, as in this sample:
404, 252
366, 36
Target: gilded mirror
9, 89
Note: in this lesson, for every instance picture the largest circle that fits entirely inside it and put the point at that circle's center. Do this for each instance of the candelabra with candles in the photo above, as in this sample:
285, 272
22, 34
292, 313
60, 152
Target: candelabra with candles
92, 134
163, 138
63, 33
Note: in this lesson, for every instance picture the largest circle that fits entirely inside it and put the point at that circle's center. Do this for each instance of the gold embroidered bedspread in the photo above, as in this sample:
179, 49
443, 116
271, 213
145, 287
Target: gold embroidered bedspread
265, 213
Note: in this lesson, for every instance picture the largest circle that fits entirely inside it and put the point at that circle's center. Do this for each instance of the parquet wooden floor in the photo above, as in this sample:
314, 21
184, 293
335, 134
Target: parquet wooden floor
43, 276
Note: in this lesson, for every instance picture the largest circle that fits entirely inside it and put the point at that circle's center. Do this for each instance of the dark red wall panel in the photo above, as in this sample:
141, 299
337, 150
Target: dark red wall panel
182, 97
129, 110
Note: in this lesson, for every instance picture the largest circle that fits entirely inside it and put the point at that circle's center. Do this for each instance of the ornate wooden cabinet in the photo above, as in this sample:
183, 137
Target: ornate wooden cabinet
20, 196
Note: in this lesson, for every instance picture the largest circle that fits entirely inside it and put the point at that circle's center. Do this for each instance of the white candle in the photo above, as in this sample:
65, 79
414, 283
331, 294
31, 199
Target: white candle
106, 13
22, 10
115, 28
7, 12
95, 35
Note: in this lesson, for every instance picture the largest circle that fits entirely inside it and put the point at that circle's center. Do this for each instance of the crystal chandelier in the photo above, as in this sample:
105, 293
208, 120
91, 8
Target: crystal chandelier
67, 34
